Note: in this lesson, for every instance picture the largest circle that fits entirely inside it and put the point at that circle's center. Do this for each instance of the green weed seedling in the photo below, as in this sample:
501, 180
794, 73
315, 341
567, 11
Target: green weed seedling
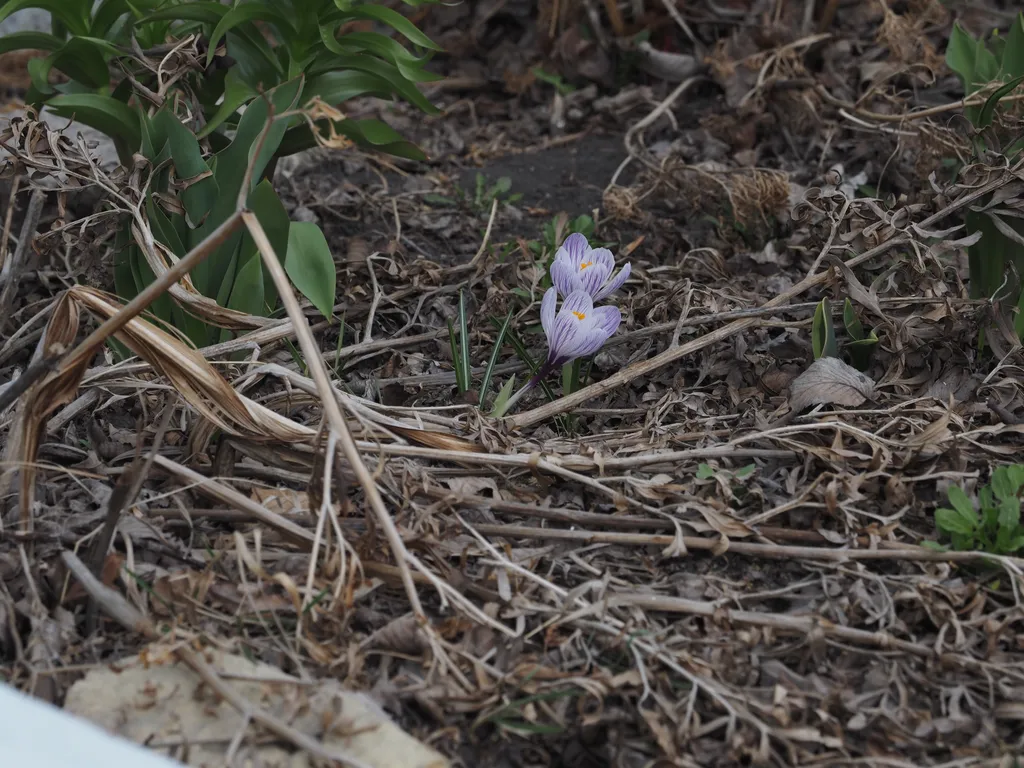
995, 527
732, 483
483, 197
553, 79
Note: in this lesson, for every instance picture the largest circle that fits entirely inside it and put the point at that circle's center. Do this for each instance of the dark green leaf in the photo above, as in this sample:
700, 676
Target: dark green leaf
39, 73
104, 113
230, 167
1016, 475
1002, 485
243, 14
495, 353
989, 108
73, 15
341, 85
247, 292
986, 67
163, 228
387, 49
463, 359
163, 307
273, 217
236, 93
201, 193
206, 12
960, 57
1009, 513
1012, 64
852, 322
106, 16
310, 265
29, 40
393, 19
255, 60
387, 73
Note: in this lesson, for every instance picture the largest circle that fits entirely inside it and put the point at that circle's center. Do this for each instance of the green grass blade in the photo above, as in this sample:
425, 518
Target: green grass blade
523, 353
489, 372
467, 376
459, 381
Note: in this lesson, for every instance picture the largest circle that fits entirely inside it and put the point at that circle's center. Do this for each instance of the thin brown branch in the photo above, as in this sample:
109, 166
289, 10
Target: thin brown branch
768, 551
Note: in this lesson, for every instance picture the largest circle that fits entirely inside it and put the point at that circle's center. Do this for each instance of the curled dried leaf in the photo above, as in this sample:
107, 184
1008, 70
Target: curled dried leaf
830, 380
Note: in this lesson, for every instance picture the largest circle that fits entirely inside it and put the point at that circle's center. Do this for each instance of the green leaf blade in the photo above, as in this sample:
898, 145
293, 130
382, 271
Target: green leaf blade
310, 266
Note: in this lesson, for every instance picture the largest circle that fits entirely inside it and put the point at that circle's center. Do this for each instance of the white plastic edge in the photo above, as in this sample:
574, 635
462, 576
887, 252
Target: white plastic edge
34, 733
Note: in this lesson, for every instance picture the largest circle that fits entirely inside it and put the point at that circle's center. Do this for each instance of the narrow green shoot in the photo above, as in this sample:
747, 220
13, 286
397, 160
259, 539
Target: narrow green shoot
341, 343
823, 334
460, 348
571, 376
460, 381
464, 341
489, 371
523, 353
502, 398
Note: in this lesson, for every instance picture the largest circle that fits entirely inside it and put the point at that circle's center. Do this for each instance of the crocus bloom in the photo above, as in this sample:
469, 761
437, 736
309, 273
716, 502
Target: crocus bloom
579, 329
577, 266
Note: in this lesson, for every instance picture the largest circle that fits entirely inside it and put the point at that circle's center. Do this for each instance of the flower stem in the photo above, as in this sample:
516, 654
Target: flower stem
543, 371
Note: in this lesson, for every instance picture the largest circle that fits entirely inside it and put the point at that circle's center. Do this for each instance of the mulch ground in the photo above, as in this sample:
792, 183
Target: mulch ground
674, 566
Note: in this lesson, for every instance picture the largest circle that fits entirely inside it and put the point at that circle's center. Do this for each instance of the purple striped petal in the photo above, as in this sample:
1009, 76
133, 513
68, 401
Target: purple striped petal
607, 320
547, 310
564, 276
575, 247
569, 326
614, 284
596, 268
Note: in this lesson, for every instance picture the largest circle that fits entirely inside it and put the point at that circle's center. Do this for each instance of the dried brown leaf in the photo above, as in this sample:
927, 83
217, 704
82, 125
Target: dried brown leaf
723, 523
830, 380
403, 635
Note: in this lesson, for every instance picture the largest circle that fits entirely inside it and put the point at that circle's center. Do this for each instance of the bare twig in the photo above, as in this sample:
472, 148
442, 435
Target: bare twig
121, 498
12, 268
35, 370
318, 371
771, 551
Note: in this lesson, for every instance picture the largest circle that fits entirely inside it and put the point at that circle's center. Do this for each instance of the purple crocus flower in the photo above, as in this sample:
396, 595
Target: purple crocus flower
577, 266
577, 330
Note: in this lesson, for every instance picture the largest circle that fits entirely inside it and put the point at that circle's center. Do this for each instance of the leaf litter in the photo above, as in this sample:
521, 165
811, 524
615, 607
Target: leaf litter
590, 594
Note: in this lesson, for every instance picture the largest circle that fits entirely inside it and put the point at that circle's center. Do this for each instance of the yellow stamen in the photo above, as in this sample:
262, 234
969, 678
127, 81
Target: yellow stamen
580, 316
586, 264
